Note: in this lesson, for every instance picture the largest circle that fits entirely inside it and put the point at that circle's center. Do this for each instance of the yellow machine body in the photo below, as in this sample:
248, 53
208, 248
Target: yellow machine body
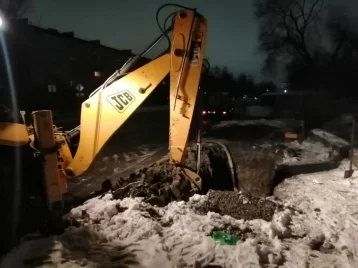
13, 134
104, 112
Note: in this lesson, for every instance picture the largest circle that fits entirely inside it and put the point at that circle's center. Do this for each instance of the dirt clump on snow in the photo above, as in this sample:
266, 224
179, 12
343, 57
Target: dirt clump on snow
238, 205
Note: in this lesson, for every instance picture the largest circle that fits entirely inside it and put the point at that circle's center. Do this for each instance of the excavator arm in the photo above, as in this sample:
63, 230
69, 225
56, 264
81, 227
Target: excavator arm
104, 112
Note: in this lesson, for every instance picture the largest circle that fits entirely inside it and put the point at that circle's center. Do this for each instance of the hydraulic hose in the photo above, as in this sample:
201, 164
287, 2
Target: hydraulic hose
230, 161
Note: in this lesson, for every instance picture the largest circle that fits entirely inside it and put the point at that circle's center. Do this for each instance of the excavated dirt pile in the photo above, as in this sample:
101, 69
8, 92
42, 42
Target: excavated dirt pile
163, 182
238, 205
159, 184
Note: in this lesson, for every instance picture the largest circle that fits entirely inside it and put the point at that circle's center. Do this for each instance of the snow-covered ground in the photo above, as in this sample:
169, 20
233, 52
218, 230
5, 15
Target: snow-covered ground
320, 147
330, 138
262, 122
330, 203
309, 151
323, 232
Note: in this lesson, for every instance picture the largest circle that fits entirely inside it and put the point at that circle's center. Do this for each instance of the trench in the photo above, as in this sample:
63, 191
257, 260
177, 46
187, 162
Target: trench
258, 170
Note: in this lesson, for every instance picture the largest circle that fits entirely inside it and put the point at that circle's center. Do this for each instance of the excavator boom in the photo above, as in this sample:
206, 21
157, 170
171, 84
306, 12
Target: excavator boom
104, 112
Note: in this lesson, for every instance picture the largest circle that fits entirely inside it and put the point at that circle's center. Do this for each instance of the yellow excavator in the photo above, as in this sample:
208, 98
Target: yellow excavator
110, 105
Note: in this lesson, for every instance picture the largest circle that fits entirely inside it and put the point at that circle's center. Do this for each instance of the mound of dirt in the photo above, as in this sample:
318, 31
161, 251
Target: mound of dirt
238, 205
159, 184
163, 182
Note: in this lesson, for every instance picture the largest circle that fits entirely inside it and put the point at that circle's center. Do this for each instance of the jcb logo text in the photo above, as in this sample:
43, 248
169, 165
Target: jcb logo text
121, 100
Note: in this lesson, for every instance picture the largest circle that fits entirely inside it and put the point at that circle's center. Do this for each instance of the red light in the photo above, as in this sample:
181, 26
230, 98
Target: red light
224, 112
203, 112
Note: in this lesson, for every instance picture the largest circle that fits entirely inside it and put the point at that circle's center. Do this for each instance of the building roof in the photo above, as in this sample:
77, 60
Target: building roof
68, 35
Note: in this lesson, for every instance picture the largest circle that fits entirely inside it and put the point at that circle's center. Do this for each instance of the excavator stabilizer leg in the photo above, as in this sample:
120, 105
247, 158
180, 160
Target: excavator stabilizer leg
45, 142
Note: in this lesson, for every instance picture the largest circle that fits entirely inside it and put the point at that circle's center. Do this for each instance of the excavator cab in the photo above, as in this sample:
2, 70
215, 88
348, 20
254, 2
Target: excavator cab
108, 108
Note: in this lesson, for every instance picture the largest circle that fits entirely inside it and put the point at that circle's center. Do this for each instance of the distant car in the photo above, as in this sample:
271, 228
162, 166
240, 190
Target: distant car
217, 114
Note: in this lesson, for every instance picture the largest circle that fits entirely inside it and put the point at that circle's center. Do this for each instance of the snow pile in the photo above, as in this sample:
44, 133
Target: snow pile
330, 138
341, 126
307, 152
331, 205
131, 233
261, 122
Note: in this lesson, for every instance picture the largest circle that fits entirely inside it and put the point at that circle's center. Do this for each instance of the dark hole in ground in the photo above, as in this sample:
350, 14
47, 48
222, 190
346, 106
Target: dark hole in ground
215, 169
254, 167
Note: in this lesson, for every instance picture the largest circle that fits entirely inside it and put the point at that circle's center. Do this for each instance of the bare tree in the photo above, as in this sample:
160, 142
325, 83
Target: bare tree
336, 63
15, 9
284, 26
343, 33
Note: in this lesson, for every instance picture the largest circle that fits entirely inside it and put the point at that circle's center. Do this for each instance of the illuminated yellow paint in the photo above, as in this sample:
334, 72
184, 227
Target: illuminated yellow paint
43, 127
13, 134
106, 111
101, 115
184, 76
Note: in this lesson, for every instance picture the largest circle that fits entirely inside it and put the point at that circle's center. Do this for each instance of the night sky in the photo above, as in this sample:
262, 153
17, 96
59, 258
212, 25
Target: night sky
124, 24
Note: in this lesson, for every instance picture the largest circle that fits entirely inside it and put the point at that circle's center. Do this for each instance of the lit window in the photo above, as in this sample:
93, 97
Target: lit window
51, 88
80, 94
97, 74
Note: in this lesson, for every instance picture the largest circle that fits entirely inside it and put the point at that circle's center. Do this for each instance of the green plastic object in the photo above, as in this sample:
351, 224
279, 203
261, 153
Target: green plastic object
224, 238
